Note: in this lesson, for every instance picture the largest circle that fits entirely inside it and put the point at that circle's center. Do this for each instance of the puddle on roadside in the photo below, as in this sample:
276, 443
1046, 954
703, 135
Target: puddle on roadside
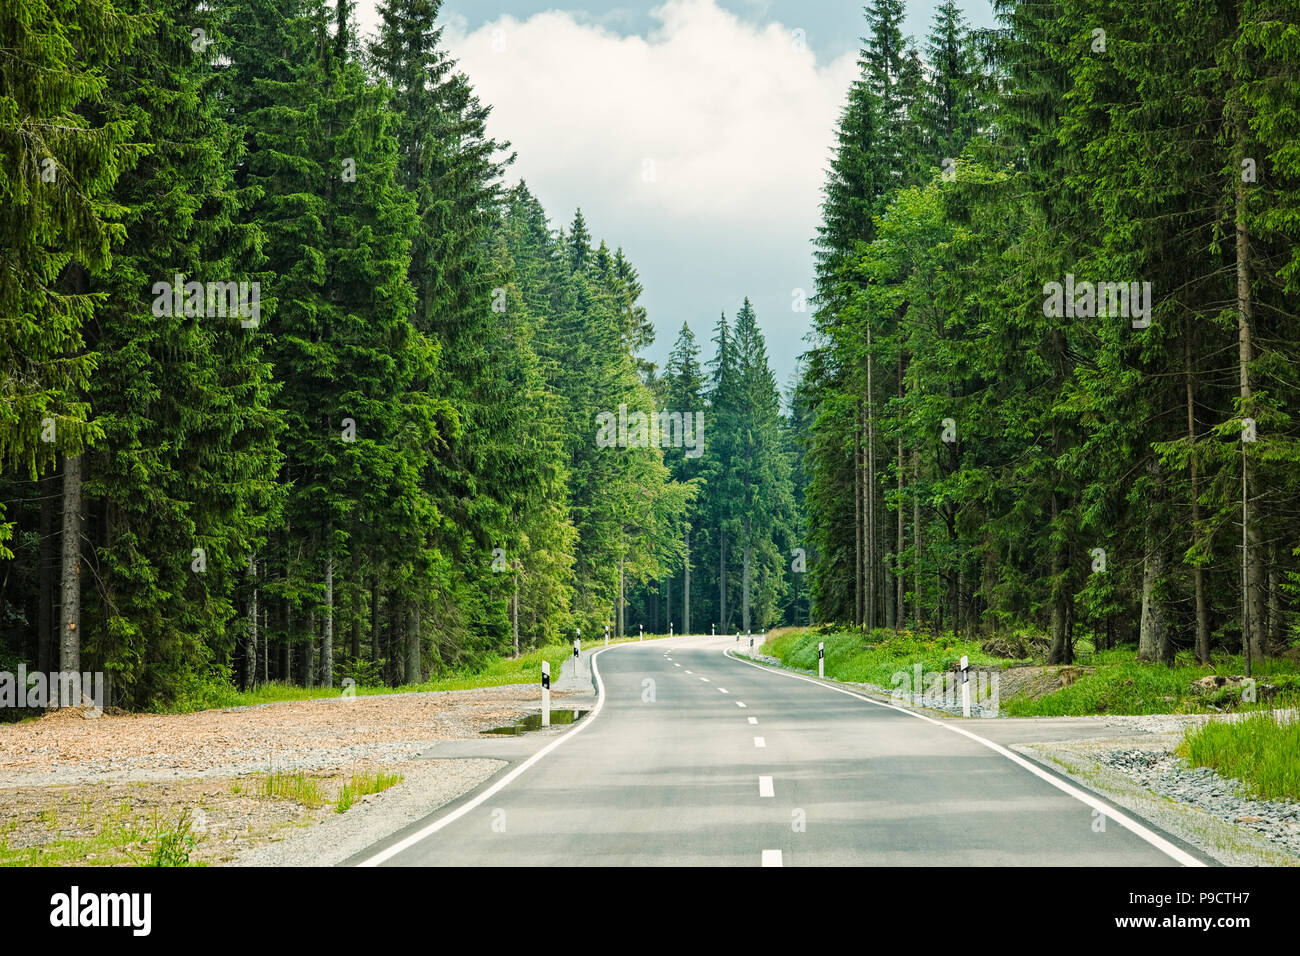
534, 722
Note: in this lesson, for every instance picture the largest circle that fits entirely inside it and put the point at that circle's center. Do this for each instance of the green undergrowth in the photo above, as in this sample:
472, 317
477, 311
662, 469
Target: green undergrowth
1260, 752
493, 672
875, 657
1112, 682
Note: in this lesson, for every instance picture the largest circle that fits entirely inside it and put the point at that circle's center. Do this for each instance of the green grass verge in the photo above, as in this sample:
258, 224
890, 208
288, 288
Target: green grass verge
362, 784
873, 658
495, 672
1117, 685
291, 786
1121, 685
1258, 751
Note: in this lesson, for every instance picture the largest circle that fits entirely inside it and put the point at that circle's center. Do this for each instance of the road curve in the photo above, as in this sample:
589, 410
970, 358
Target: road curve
693, 758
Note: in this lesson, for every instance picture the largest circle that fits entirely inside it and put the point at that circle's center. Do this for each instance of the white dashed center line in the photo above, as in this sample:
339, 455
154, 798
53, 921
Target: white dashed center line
753, 720
723, 689
688, 672
772, 858
765, 787
740, 703
705, 679
760, 742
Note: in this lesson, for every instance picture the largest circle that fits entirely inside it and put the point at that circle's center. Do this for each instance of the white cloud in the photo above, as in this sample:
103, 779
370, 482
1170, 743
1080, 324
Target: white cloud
736, 119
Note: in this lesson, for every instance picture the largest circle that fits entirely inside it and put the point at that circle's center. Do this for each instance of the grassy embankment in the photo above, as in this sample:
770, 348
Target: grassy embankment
495, 672
1260, 752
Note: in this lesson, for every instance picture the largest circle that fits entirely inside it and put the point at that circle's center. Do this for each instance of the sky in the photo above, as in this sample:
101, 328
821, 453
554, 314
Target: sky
694, 134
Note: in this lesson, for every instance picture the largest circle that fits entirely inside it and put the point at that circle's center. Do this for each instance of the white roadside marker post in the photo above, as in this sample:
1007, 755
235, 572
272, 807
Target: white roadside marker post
821, 659
546, 693
713, 630
577, 652
670, 628
607, 635
641, 632
751, 642
965, 686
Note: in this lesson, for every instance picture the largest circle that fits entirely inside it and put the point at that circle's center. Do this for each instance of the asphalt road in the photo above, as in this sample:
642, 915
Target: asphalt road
694, 758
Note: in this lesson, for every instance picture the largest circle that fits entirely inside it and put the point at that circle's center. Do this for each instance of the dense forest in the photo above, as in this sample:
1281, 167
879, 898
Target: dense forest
297, 386
297, 389
1052, 382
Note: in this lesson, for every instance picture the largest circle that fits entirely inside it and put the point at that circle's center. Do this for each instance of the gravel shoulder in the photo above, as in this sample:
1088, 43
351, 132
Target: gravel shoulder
102, 791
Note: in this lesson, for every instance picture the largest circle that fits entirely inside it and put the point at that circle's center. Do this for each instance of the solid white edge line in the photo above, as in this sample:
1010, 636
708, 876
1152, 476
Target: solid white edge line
1128, 823
425, 832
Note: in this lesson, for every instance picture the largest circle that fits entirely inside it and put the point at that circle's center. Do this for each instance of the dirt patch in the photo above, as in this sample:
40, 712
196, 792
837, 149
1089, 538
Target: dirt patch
111, 790
1035, 682
65, 748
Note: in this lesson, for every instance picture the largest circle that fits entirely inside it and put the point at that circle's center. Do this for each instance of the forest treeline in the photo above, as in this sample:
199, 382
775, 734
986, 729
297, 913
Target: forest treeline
1053, 376
297, 389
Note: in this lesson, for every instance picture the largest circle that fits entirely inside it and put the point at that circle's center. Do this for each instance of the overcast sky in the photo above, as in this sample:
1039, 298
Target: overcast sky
693, 133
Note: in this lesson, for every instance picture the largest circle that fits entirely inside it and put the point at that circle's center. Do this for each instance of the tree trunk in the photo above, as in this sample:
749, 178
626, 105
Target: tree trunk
1154, 639
250, 656
412, 644
869, 488
46, 646
900, 537
858, 562
916, 539
1275, 642
327, 633
393, 650
514, 614
286, 652
354, 589
1060, 649
310, 672
686, 586
1252, 594
70, 631
722, 578
1198, 572
668, 602
376, 628
748, 552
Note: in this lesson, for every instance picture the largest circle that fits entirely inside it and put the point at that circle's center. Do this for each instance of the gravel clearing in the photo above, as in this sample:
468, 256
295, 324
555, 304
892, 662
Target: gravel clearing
75, 789
65, 748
